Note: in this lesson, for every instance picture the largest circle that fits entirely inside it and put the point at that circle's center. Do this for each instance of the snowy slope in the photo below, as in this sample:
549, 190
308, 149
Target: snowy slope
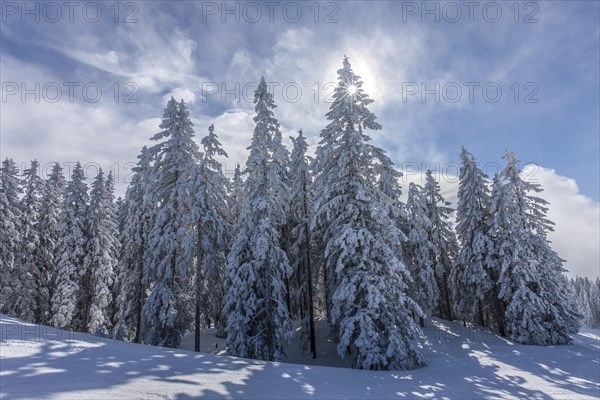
42, 362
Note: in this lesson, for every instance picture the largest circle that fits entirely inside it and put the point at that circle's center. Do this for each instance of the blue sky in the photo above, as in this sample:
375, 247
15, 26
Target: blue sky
186, 48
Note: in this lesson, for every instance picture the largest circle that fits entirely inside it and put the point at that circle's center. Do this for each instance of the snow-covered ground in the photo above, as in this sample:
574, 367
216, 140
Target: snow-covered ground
43, 362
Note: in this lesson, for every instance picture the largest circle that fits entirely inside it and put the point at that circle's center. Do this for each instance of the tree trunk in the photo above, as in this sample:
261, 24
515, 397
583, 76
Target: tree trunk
499, 306
326, 291
311, 319
86, 290
501, 330
140, 290
198, 282
301, 305
287, 293
138, 307
311, 316
500, 309
447, 298
480, 313
197, 328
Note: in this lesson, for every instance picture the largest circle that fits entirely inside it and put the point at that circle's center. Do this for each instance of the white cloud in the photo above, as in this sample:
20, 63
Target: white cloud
101, 134
180, 93
577, 217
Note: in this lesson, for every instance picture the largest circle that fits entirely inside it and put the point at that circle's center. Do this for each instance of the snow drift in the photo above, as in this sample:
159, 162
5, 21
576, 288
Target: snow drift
43, 362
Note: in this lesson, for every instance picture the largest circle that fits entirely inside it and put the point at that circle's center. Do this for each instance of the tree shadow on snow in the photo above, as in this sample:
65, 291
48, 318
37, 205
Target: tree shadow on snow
459, 368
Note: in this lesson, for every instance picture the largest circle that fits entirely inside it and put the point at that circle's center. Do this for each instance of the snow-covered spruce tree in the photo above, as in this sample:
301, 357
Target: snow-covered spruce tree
587, 294
499, 220
564, 316
101, 257
217, 225
49, 236
553, 280
418, 251
347, 112
10, 243
300, 253
470, 282
71, 253
168, 274
279, 168
8, 248
28, 266
556, 293
257, 317
581, 290
117, 289
116, 209
594, 302
206, 194
138, 221
121, 212
443, 240
391, 191
367, 283
389, 186
531, 285
237, 196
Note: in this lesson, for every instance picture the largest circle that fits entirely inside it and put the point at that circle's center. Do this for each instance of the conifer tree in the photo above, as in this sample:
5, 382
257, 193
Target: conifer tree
587, 296
531, 287
391, 191
257, 316
389, 185
300, 247
101, 258
366, 282
66, 300
218, 226
118, 208
168, 274
279, 169
419, 249
594, 304
206, 195
499, 219
138, 221
236, 196
348, 112
470, 280
443, 241
29, 266
10, 217
121, 212
49, 237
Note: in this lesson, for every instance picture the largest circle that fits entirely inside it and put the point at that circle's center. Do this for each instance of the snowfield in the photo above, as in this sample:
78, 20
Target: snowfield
43, 362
